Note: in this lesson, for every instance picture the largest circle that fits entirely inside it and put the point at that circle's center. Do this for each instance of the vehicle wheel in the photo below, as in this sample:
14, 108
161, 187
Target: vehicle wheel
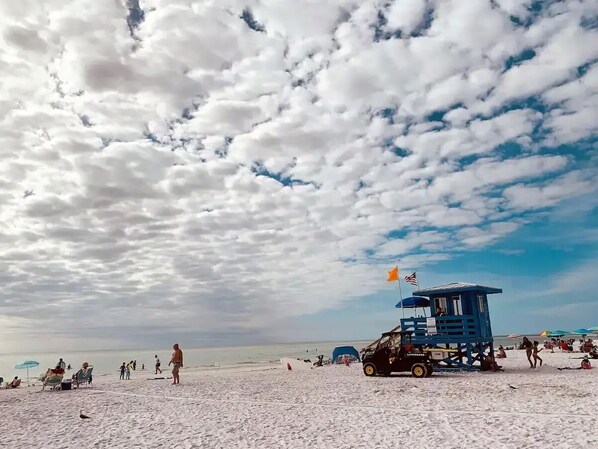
419, 370
369, 369
430, 369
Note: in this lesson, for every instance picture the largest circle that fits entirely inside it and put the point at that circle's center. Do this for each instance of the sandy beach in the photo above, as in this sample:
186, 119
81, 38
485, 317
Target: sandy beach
329, 407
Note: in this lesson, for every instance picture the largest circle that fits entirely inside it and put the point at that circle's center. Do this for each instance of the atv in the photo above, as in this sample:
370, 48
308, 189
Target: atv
392, 353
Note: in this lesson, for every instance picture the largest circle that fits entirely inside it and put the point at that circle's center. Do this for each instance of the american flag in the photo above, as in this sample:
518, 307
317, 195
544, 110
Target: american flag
411, 279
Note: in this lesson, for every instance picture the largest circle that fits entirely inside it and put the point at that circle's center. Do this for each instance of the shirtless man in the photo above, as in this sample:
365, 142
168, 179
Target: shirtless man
177, 361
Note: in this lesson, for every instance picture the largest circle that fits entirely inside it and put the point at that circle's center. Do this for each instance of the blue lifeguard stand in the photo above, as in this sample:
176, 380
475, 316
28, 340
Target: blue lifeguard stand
459, 321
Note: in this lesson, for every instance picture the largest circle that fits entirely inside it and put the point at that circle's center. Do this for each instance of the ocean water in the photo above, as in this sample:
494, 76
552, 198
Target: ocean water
108, 362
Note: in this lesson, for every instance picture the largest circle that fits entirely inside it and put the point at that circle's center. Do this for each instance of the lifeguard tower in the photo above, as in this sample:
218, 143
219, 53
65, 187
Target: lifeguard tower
459, 322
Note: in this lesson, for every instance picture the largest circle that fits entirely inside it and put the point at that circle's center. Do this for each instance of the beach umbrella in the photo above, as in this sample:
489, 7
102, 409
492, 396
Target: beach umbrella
26, 365
558, 333
544, 333
582, 331
595, 328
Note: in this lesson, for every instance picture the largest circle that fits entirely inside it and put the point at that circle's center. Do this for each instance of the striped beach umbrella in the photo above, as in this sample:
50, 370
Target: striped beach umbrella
544, 333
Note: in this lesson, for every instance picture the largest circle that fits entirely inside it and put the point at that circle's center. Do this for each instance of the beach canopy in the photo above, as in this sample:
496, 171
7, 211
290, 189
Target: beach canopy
26, 365
413, 302
344, 350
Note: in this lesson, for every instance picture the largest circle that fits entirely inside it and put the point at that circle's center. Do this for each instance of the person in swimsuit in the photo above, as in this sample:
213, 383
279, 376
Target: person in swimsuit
527, 345
177, 361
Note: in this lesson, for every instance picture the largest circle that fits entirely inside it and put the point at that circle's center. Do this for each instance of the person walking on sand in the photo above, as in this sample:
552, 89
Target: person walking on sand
177, 362
527, 345
157, 365
123, 368
535, 353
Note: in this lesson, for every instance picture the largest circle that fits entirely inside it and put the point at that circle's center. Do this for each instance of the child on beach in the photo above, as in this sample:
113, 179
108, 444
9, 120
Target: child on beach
535, 354
158, 364
122, 371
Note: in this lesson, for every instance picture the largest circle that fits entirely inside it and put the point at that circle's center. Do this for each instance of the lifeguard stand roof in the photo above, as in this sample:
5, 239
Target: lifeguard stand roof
455, 287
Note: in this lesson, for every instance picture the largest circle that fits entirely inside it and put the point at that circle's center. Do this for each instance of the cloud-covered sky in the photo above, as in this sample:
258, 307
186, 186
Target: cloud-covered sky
234, 170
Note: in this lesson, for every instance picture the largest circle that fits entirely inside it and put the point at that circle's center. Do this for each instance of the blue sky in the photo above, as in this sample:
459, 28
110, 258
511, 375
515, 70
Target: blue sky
252, 176
546, 270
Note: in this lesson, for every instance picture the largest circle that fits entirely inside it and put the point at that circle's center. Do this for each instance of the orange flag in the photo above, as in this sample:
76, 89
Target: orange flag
393, 275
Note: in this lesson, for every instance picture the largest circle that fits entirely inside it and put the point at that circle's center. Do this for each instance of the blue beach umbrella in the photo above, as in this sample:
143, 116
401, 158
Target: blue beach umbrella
582, 331
413, 302
558, 333
26, 365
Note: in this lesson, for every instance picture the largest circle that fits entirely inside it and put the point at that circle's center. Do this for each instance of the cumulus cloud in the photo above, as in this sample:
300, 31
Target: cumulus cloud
213, 166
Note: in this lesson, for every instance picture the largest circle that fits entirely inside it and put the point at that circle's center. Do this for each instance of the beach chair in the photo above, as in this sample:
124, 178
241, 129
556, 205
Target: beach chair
53, 381
83, 378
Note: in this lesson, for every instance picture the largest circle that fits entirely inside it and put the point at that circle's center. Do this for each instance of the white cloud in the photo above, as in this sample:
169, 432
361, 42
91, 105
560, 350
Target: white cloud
201, 174
406, 15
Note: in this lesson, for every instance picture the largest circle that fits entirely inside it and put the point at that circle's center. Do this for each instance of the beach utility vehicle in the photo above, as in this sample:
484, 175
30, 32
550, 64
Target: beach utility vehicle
393, 352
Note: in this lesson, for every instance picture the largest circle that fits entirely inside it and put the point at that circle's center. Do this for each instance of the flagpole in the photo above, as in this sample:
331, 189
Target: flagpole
401, 295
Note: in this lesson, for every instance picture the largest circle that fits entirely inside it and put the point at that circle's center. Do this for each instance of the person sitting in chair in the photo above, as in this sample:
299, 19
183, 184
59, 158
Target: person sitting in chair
83, 371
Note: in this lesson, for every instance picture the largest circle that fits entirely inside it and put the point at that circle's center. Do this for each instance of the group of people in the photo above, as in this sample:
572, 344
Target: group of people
126, 368
61, 367
532, 351
176, 361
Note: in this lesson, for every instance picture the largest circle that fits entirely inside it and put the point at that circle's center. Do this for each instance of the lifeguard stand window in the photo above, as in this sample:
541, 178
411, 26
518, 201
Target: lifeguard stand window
457, 309
440, 304
481, 307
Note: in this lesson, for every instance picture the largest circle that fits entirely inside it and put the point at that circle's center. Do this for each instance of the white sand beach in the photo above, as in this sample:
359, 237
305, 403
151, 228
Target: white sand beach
330, 407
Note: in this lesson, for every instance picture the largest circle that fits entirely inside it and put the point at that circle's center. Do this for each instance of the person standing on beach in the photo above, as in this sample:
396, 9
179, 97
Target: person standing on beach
61, 365
535, 353
157, 365
122, 371
527, 345
128, 371
177, 362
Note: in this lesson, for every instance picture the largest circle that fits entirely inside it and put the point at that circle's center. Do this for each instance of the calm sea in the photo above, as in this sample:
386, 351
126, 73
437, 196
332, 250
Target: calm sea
108, 362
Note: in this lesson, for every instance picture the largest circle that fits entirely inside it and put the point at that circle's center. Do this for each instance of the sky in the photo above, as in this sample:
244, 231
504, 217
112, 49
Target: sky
247, 171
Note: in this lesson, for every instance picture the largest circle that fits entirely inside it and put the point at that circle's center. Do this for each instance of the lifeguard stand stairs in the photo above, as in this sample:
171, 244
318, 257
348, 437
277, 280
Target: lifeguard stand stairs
460, 321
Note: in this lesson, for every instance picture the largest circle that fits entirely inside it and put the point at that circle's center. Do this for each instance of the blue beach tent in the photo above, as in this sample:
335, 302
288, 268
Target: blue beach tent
344, 350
